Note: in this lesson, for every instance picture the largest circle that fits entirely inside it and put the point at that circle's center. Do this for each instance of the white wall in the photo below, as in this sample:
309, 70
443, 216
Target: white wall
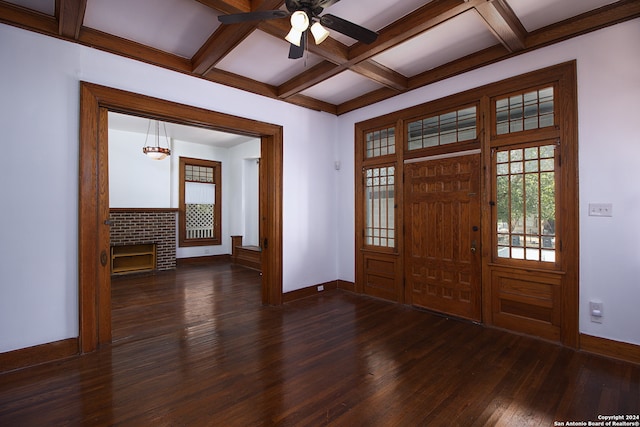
244, 197
136, 181
609, 146
39, 118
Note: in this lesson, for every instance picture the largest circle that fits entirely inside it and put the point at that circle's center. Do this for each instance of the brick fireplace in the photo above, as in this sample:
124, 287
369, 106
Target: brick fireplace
141, 226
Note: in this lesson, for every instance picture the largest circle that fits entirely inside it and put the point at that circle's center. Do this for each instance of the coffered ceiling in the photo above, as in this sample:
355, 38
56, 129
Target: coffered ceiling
419, 42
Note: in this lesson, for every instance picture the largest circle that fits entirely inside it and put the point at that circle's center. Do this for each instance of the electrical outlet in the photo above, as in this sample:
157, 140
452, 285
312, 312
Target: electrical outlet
320, 288
600, 209
595, 309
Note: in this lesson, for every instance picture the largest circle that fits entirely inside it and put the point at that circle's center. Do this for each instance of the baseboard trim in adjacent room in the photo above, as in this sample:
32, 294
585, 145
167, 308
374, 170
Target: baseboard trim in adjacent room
208, 259
609, 348
309, 291
39, 354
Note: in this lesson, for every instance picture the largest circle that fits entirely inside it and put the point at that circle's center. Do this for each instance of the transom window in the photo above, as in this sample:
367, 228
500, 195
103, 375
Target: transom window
442, 129
525, 111
379, 227
380, 142
526, 202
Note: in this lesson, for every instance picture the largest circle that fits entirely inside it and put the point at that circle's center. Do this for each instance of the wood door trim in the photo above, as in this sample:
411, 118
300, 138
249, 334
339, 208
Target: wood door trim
442, 156
93, 236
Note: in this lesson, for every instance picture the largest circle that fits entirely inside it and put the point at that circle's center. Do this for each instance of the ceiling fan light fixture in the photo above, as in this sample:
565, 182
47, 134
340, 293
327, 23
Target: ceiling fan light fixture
299, 21
294, 37
320, 33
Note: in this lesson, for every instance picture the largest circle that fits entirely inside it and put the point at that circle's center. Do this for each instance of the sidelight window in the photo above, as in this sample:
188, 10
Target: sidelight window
526, 202
379, 187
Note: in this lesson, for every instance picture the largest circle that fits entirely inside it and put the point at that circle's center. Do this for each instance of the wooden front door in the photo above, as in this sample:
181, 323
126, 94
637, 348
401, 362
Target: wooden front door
442, 239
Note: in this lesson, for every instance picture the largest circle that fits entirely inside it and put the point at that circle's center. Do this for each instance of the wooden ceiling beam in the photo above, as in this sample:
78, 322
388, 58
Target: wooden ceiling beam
228, 6
311, 77
423, 19
131, 49
227, 37
28, 19
594, 20
240, 82
70, 15
381, 74
504, 24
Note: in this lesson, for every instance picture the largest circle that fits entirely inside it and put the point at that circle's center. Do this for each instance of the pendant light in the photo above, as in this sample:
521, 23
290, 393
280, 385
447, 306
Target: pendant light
156, 152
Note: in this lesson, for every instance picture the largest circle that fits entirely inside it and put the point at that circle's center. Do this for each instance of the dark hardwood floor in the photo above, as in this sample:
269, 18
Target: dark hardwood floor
195, 348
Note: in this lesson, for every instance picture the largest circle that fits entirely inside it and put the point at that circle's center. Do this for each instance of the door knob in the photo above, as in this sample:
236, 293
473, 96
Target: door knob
473, 247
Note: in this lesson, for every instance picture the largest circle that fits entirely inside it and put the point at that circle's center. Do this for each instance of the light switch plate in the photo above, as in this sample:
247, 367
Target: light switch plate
600, 209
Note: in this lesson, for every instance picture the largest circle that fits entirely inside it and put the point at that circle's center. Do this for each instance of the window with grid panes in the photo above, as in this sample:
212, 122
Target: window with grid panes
442, 129
200, 202
380, 206
525, 111
525, 179
379, 188
380, 142
526, 202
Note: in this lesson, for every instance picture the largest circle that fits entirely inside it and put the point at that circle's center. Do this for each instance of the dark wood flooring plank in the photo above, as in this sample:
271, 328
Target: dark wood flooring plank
196, 347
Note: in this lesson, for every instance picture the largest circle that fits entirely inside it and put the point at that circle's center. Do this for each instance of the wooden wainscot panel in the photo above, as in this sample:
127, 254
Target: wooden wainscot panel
381, 276
527, 302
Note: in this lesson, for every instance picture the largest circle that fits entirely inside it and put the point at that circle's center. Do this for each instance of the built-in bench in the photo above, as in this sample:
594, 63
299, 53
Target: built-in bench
249, 256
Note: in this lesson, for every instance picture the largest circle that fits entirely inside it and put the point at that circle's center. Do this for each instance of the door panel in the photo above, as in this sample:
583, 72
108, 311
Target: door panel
442, 267
381, 276
527, 301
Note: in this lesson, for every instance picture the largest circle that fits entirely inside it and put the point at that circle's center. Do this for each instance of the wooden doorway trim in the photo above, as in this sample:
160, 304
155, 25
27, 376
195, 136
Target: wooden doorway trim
93, 242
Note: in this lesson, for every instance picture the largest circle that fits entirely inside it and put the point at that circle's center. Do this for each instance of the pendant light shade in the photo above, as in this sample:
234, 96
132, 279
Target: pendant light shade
156, 152
299, 24
319, 32
294, 36
299, 21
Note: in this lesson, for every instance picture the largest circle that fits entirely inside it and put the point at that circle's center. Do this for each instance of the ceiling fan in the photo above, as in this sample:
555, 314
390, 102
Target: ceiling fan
305, 15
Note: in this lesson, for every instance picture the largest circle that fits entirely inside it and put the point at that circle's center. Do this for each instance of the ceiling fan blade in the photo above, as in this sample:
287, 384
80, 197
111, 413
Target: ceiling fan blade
236, 18
297, 52
347, 28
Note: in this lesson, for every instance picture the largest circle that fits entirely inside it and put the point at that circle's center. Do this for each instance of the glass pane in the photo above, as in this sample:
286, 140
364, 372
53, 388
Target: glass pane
380, 206
531, 110
525, 203
380, 142
447, 128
